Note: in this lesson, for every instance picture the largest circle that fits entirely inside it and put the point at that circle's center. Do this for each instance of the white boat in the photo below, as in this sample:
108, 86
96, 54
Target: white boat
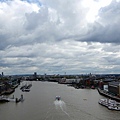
58, 98
110, 104
26, 90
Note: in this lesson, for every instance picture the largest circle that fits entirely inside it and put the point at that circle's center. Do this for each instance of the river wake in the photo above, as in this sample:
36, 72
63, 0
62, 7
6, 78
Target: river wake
62, 106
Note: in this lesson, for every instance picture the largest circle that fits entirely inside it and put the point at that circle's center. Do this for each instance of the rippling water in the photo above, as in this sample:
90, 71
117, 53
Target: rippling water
40, 104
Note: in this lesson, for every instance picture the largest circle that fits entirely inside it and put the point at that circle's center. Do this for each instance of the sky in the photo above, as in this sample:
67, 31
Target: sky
59, 36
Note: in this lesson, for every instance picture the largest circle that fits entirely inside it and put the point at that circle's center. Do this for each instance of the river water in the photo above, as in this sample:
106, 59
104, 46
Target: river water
40, 104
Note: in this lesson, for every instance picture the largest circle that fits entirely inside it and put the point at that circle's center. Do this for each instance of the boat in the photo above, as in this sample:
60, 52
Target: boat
114, 108
26, 90
58, 98
22, 87
29, 86
110, 104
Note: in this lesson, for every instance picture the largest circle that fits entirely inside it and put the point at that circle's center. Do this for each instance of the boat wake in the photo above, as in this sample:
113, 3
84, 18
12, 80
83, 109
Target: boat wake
61, 105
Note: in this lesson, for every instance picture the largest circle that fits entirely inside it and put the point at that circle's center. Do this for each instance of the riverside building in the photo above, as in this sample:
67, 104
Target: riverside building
114, 88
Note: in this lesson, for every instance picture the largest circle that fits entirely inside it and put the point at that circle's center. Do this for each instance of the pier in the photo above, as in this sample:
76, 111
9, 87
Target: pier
7, 99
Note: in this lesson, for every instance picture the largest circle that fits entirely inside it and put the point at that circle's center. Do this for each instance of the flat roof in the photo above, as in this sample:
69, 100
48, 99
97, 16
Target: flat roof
114, 83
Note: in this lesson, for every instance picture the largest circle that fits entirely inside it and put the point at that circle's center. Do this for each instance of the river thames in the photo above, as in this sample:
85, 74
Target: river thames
40, 104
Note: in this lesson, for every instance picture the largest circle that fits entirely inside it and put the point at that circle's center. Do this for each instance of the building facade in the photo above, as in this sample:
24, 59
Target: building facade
114, 88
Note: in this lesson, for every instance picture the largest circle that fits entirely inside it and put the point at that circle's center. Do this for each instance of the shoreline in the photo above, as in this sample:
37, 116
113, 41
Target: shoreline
101, 92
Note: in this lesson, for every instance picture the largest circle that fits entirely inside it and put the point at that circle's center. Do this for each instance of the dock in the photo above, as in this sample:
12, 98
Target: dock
7, 99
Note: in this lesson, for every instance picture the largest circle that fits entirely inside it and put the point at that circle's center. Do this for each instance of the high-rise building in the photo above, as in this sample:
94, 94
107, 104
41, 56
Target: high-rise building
35, 74
2, 74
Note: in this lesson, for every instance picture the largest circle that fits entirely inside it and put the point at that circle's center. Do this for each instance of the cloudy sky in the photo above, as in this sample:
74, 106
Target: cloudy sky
59, 36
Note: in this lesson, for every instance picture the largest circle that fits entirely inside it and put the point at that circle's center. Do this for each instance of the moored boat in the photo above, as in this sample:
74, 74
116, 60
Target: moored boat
23, 87
110, 104
26, 88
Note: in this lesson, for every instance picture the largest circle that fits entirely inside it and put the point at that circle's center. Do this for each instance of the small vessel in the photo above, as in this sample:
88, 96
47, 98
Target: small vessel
110, 104
23, 87
26, 90
58, 98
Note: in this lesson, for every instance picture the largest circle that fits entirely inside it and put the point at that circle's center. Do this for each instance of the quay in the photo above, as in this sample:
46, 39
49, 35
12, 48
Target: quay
106, 94
7, 99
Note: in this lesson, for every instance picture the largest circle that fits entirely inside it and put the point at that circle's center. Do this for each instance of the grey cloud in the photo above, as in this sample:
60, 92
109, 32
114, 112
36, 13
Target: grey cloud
56, 38
108, 34
34, 19
106, 29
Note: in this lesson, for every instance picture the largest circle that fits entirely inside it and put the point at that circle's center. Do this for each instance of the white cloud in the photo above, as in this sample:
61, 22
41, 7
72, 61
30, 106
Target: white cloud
50, 36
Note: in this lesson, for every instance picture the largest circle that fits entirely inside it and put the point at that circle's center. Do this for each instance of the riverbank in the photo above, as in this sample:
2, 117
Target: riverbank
7, 92
106, 94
